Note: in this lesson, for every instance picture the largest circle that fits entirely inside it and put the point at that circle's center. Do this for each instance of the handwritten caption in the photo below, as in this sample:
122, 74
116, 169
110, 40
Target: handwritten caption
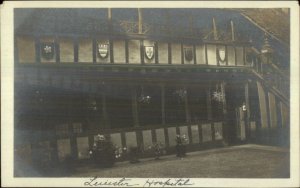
127, 182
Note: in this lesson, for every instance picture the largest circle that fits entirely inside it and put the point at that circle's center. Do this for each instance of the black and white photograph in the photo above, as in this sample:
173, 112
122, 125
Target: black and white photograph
135, 94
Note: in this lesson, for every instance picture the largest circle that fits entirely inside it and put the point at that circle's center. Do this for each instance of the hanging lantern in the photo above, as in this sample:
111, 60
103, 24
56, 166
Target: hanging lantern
244, 107
181, 93
218, 95
144, 98
92, 104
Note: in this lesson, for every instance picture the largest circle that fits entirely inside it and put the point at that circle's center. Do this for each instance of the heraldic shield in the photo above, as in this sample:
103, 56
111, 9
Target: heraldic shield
188, 54
47, 50
102, 50
149, 52
221, 54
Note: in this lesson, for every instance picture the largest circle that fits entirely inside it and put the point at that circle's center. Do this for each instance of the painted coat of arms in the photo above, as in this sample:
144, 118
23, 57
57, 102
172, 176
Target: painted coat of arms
149, 52
188, 53
103, 50
221, 54
47, 50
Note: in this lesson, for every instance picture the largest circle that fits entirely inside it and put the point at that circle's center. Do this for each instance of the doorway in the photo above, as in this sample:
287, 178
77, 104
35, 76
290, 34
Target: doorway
235, 96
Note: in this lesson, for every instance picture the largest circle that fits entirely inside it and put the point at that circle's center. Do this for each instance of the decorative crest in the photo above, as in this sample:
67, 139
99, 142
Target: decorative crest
188, 53
47, 50
103, 49
149, 52
221, 55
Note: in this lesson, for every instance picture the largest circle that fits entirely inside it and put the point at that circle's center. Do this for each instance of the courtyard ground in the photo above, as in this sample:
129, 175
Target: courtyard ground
245, 161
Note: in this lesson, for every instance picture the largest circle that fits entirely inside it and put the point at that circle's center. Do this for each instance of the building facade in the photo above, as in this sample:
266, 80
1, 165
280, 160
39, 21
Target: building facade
142, 76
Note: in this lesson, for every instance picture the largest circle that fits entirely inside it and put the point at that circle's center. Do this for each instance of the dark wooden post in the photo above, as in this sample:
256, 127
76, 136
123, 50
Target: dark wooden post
187, 111
225, 121
208, 102
140, 20
134, 107
232, 31
163, 113
247, 114
104, 108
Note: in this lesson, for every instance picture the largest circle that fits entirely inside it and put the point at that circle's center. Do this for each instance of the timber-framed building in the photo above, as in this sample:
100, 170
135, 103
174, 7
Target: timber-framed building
140, 76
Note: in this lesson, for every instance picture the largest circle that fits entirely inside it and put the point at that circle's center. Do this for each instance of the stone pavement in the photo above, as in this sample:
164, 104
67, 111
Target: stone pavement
244, 161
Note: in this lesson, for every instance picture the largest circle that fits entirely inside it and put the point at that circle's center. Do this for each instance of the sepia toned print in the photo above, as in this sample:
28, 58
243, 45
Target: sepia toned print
169, 95
94, 114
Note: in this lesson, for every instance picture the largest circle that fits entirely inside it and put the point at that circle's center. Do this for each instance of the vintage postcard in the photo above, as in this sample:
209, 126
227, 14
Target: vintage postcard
150, 94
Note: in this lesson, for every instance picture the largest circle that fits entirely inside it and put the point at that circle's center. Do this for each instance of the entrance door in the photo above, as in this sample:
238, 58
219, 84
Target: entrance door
235, 115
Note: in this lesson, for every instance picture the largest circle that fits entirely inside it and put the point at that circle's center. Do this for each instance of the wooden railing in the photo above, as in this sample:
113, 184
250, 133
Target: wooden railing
274, 77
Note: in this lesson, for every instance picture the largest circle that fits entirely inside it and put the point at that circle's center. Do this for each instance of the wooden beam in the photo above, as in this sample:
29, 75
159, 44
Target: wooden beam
126, 52
142, 51
206, 58
104, 109
37, 50
134, 107
163, 113
111, 51
57, 50
247, 103
169, 53
187, 111
232, 31
215, 29
156, 52
194, 53
75, 50
94, 40
140, 21
109, 15
208, 102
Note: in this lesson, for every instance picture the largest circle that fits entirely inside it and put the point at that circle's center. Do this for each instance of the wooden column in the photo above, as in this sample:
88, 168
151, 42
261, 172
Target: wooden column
208, 102
76, 47
163, 113
104, 109
140, 20
268, 115
142, 51
57, 50
126, 51
232, 31
110, 30
224, 108
109, 14
215, 30
94, 50
169, 53
206, 58
37, 50
247, 114
134, 107
187, 111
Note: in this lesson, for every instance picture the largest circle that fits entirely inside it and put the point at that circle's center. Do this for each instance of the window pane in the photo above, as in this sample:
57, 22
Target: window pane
197, 103
175, 111
149, 110
119, 106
